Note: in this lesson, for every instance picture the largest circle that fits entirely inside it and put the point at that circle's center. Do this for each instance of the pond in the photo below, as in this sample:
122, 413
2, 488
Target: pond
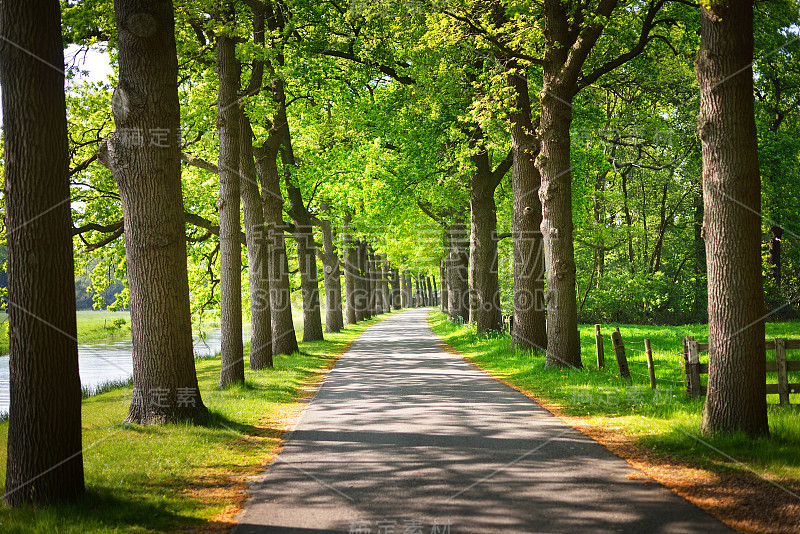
110, 359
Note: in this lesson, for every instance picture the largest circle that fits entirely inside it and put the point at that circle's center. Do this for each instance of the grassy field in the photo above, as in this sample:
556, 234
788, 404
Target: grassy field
180, 476
663, 423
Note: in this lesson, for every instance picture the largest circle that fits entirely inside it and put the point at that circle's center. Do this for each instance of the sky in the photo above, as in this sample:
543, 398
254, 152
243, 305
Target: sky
94, 61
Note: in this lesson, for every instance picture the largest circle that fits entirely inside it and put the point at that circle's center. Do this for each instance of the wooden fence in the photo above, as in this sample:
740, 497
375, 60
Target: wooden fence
695, 388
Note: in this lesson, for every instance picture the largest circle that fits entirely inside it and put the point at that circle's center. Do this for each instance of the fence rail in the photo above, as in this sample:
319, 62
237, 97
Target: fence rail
781, 366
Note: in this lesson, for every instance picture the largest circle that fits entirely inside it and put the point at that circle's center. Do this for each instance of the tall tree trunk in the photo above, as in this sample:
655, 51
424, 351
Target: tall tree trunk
44, 461
483, 246
435, 292
366, 285
148, 175
257, 252
700, 305
405, 301
628, 219
284, 338
529, 330
350, 271
775, 245
566, 52
309, 282
385, 271
429, 289
736, 398
457, 278
228, 205
333, 280
396, 290
443, 284
372, 276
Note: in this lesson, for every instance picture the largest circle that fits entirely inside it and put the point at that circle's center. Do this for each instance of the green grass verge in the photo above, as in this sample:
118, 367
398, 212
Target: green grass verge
180, 476
664, 420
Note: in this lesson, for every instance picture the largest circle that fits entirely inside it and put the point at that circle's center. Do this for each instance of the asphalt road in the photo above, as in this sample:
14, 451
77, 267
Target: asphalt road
404, 438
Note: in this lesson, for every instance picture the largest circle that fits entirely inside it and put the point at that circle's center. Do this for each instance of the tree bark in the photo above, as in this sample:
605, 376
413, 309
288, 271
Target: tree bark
529, 330
775, 245
44, 461
443, 284
364, 302
483, 243
405, 301
372, 278
309, 283
257, 252
350, 271
148, 175
566, 50
284, 338
736, 398
386, 297
332, 278
435, 292
396, 289
228, 205
457, 278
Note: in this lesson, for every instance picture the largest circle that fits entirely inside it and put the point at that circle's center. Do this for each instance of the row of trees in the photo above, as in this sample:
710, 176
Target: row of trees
273, 134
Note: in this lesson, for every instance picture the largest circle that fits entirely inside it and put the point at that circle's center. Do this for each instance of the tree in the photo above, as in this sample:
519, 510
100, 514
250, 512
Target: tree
736, 398
228, 205
148, 175
529, 330
45, 460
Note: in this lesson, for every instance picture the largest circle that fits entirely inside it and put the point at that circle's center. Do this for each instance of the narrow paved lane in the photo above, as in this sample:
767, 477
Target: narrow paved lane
404, 438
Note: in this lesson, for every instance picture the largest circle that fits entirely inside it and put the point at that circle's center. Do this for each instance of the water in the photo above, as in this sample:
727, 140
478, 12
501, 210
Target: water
107, 360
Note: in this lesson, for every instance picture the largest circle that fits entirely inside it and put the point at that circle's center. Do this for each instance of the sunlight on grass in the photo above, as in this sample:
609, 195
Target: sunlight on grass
663, 420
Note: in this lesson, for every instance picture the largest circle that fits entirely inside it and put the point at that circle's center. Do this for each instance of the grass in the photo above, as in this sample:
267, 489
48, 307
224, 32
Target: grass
180, 476
662, 421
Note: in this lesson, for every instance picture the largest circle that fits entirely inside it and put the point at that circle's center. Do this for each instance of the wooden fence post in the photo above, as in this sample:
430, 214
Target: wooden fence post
693, 387
783, 377
598, 340
619, 352
648, 350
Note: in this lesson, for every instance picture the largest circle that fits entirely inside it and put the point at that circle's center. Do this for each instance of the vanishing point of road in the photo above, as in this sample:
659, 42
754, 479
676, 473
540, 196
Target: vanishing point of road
404, 438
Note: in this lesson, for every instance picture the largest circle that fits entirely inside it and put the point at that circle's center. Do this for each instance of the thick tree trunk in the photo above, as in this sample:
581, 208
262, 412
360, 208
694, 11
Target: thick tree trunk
364, 303
483, 247
350, 271
385, 272
736, 398
44, 461
429, 290
257, 252
558, 88
372, 277
457, 283
443, 284
284, 338
228, 205
147, 174
529, 330
435, 292
396, 289
309, 283
332, 278
405, 301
